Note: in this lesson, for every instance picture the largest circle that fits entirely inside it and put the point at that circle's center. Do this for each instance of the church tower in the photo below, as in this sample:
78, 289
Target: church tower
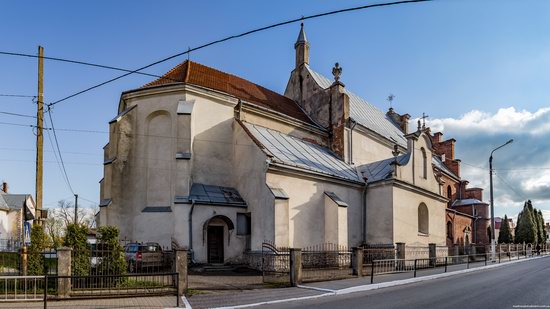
302, 48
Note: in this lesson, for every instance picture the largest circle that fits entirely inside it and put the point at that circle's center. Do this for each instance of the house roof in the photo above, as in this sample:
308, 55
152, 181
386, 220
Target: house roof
197, 74
15, 201
468, 201
382, 169
295, 152
365, 113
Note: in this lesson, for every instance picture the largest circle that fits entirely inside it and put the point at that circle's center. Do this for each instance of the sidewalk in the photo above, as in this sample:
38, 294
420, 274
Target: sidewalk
134, 302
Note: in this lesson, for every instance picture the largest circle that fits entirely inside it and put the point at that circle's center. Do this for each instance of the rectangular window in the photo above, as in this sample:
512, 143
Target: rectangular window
243, 224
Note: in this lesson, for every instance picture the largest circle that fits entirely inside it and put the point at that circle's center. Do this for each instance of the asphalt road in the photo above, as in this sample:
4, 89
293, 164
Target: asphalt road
520, 285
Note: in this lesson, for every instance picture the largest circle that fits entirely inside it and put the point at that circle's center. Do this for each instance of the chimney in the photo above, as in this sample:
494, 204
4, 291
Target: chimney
302, 48
437, 137
5, 187
401, 120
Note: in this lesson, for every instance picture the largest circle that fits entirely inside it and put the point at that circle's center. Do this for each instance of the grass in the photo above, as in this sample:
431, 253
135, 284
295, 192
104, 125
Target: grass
191, 292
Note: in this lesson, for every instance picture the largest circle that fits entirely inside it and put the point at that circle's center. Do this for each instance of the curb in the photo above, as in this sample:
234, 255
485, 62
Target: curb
376, 286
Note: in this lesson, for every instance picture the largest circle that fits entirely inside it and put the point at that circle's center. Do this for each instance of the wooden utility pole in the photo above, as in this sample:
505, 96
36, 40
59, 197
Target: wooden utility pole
39, 131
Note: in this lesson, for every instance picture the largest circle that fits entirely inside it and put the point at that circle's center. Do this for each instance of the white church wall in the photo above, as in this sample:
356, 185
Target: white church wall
405, 218
366, 149
380, 214
307, 208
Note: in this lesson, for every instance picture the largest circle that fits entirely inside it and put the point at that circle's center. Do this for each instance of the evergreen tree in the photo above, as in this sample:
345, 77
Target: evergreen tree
505, 236
112, 260
542, 232
526, 229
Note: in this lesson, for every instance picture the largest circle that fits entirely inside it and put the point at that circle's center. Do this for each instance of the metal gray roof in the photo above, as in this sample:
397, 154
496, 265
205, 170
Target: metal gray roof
468, 201
292, 151
212, 195
301, 35
3, 204
15, 201
279, 193
365, 113
336, 199
185, 107
157, 209
383, 169
105, 202
440, 165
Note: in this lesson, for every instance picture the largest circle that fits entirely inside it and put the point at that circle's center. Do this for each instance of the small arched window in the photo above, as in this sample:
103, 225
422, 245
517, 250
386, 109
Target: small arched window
424, 163
449, 230
423, 219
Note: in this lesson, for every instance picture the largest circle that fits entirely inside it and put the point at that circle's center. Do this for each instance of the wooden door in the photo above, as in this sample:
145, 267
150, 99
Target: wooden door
215, 244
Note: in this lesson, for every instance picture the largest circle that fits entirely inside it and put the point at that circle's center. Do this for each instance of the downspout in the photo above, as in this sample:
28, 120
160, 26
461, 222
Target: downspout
191, 230
352, 124
364, 215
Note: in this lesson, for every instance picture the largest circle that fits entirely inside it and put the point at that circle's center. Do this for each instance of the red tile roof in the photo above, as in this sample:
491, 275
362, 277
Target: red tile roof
197, 74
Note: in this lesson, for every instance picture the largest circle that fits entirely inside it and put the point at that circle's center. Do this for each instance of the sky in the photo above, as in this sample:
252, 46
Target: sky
479, 69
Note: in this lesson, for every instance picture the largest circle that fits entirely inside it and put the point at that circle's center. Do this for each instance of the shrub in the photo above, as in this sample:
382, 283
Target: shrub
76, 238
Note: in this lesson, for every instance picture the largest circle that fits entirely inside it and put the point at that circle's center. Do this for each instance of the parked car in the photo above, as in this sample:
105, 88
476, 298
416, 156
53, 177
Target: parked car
143, 256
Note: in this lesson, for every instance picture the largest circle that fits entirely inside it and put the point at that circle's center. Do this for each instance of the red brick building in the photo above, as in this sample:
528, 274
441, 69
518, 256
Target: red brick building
467, 218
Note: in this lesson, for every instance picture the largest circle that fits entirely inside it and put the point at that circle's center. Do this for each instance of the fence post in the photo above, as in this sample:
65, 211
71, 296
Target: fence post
357, 261
456, 253
473, 251
486, 258
432, 254
24, 260
64, 264
372, 272
295, 266
181, 268
415, 268
468, 262
400, 246
446, 263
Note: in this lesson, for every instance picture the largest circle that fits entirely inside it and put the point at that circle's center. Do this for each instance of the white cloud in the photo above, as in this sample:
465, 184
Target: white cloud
522, 169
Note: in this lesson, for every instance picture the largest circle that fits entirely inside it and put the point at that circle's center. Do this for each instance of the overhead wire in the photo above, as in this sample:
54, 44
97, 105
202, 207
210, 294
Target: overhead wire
59, 151
189, 50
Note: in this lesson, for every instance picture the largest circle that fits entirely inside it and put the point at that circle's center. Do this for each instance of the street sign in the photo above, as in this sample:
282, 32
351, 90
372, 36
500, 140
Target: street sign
27, 233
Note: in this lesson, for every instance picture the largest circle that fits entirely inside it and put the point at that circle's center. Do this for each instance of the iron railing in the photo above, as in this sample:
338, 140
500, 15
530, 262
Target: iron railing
22, 288
326, 262
275, 263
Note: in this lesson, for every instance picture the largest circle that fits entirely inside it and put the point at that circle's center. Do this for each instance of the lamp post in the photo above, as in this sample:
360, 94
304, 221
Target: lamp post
493, 243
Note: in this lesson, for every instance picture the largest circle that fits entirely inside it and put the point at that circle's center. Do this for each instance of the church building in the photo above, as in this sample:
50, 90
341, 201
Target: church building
218, 164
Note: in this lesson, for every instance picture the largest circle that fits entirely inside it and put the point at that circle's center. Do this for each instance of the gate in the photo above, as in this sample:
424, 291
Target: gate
275, 263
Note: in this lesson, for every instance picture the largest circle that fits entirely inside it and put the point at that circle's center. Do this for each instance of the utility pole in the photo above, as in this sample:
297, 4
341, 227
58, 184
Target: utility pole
493, 243
39, 132
76, 209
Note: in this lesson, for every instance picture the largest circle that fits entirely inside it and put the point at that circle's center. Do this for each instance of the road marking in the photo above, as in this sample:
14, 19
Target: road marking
186, 302
375, 286
278, 301
316, 288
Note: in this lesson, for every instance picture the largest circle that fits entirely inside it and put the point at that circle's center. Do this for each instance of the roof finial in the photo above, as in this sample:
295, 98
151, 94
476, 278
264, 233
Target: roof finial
390, 99
336, 72
302, 35
424, 116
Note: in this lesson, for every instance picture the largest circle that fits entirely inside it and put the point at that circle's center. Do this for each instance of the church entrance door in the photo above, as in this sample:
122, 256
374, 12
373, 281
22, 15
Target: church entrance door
215, 244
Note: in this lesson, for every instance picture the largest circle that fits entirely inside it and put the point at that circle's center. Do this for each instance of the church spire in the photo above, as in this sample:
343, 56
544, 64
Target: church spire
302, 48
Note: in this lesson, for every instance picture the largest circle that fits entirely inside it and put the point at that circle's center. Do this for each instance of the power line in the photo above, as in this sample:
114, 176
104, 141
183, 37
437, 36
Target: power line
16, 114
59, 152
17, 96
81, 63
511, 187
234, 37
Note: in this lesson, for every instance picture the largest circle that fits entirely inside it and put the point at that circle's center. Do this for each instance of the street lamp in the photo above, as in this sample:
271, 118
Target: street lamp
493, 243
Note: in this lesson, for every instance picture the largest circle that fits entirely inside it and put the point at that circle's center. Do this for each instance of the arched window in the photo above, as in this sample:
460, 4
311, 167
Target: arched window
423, 220
449, 230
450, 195
424, 163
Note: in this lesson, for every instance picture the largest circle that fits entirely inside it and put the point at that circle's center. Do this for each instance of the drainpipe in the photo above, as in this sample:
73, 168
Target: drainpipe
191, 230
352, 124
364, 214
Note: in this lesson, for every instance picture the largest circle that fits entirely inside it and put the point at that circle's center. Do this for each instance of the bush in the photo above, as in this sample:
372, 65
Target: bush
39, 242
114, 262
76, 238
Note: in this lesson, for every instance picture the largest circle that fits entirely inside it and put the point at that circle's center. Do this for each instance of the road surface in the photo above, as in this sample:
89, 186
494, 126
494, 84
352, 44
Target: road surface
520, 285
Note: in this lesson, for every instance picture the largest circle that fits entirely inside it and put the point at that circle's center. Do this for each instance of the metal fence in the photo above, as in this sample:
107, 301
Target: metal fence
275, 263
326, 262
373, 252
22, 288
10, 263
10, 245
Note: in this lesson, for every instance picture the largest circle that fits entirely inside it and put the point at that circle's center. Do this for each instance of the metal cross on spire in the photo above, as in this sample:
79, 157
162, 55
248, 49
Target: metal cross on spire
390, 99
424, 116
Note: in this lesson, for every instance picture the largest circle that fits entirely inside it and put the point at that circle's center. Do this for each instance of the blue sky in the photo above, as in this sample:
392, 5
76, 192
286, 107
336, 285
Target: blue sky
463, 62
